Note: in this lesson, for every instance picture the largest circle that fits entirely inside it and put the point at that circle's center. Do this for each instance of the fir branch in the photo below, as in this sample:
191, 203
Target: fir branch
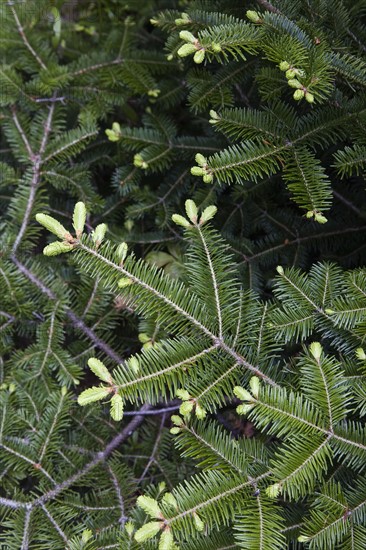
217, 342
268, 6
99, 458
25, 40
75, 320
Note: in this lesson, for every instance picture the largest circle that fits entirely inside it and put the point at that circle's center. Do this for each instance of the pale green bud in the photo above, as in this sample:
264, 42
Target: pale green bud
201, 413
124, 281
186, 408
284, 66
294, 83
200, 159
100, 370
273, 490
242, 394
183, 395
166, 541
144, 337
148, 531
245, 408
153, 93
214, 115
360, 354
208, 214
290, 73
129, 224
177, 420
191, 210
52, 225
179, 220
216, 47
116, 127
112, 136
198, 523
134, 364
93, 394
162, 487
138, 160
187, 37
79, 218
197, 171
63, 391
309, 214
199, 56
280, 270
253, 16
117, 407
12, 387
320, 218
298, 94
254, 384
303, 538
99, 233
329, 311
316, 350
309, 97
170, 57
129, 526
170, 499
121, 252
175, 431
207, 178
186, 49
87, 534
53, 249
150, 506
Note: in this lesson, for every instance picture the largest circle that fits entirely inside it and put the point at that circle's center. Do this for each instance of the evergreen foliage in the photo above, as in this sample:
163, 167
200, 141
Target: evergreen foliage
182, 243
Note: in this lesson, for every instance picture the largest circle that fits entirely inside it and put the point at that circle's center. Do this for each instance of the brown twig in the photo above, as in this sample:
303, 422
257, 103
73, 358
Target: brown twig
268, 6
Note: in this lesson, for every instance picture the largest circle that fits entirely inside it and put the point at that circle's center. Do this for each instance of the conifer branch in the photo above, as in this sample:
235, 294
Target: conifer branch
55, 524
25, 40
36, 166
99, 458
213, 279
25, 540
268, 6
75, 320
123, 518
217, 342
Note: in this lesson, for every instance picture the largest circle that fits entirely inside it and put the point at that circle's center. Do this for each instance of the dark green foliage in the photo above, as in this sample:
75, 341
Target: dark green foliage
228, 410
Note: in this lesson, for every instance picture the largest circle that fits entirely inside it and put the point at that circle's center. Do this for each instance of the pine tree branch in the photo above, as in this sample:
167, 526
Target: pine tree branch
297, 241
96, 67
213, 279
217, 342
215, 499
154, 451
268, 6
99, 458
25, 540
55, 524
122, 519
51, 430
75, 320
25, 40
36, 165
314, 427
22, 134
214, 450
